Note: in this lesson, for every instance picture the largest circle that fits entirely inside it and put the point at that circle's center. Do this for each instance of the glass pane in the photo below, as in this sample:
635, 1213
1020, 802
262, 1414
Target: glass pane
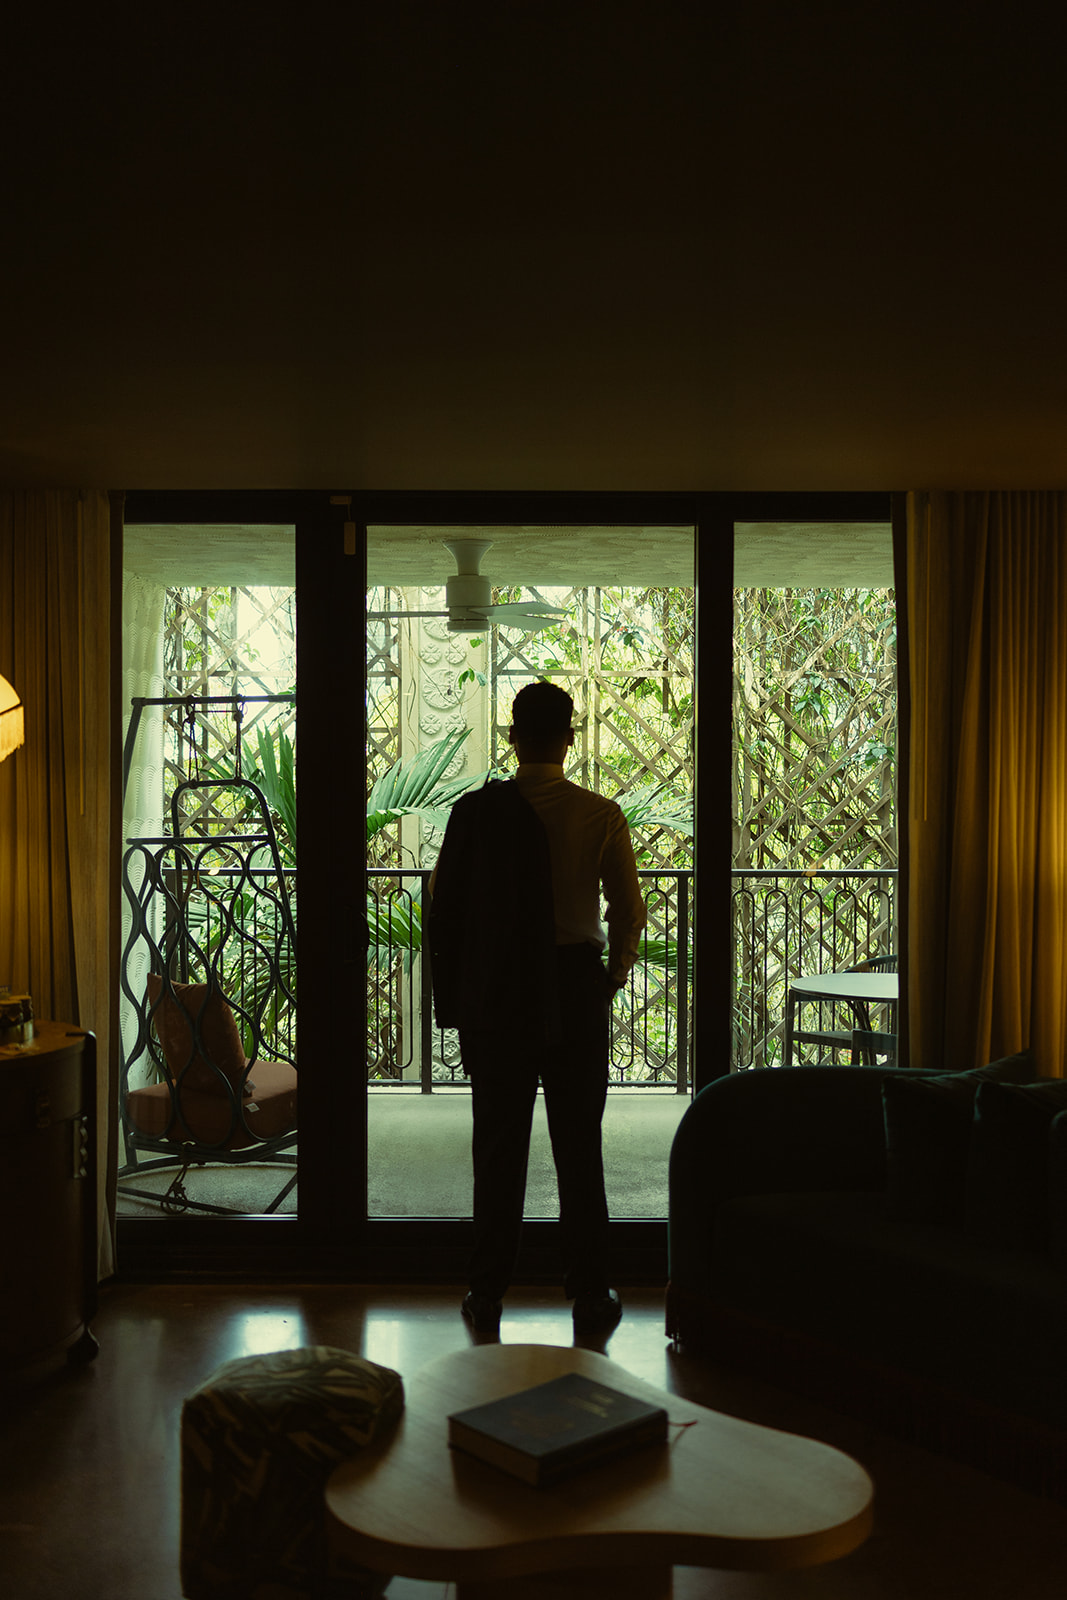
443, 671
814, 778
208, 984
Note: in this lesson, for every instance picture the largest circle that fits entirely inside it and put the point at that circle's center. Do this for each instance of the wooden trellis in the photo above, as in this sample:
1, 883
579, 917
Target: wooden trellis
814, 721
384, 680
626, 740
814, 779
623, 743
207, 652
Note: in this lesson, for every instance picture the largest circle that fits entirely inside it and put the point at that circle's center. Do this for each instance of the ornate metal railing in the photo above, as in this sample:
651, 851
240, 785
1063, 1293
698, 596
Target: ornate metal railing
650, 1018
793, 924
785, 924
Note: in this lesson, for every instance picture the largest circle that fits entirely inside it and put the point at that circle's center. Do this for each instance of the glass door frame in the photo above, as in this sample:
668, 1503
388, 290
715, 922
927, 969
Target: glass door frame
333, 1237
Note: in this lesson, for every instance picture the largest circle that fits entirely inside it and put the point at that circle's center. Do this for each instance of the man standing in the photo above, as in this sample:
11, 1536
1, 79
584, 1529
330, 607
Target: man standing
516, 948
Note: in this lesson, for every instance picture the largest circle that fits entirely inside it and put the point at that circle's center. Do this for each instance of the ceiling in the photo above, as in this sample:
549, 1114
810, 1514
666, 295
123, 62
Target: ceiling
614, 244
771, 555
766, 555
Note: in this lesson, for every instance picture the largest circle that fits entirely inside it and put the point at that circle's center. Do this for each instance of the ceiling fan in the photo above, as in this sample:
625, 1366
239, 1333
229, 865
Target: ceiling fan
469, 597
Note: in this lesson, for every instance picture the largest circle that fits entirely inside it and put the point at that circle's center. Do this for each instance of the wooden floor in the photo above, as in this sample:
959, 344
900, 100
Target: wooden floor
89, 1501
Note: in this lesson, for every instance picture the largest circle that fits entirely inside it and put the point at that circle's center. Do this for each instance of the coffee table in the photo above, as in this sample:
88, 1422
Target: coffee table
721, 1493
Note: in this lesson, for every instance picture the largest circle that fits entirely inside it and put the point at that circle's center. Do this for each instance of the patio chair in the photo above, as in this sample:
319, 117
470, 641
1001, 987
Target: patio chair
834, 1039
208, 1060
874, 1048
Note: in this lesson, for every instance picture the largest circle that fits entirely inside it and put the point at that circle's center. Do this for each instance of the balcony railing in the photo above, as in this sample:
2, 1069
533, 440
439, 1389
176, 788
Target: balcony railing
791, 924
785, 924
650, 1040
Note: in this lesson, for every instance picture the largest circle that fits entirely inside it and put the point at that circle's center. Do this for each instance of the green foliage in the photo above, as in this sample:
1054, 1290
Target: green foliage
417, 786
395, 925
653, 806
273, 769
814, 727
627, 657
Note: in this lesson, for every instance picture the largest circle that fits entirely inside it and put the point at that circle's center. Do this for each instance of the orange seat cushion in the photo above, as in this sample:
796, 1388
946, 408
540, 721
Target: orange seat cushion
176, 1008
210, 1119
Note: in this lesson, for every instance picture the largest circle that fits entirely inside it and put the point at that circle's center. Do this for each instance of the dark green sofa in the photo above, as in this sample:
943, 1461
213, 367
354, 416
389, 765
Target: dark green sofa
894, 1243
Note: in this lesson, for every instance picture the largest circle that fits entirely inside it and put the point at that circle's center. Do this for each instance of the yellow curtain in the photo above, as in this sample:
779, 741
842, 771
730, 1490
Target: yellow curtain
987, 852
56, 881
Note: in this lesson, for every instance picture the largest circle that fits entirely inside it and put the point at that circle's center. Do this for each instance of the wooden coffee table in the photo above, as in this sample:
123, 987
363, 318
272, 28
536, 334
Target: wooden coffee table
722, 1493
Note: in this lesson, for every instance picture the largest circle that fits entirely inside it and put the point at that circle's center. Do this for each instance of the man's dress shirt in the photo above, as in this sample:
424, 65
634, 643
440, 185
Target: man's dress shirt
520, 873
589, 846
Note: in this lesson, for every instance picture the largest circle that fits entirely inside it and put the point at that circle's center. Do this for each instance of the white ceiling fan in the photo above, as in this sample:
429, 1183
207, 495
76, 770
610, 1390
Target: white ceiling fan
469, 597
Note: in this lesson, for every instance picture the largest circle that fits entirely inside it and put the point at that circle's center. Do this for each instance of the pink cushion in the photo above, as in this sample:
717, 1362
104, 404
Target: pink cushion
210, 1119
176, 1007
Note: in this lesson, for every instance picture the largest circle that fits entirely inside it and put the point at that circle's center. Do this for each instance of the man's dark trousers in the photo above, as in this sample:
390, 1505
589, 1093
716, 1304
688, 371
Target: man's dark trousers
504, 1070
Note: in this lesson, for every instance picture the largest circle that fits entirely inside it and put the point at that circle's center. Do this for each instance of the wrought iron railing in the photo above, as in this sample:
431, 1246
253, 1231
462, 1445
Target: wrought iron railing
650, 1041
789, 924
196, 917
785, 924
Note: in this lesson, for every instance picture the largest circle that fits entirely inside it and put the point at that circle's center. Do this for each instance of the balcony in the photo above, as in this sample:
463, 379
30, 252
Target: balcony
651, 1017
419, 1161
785, 923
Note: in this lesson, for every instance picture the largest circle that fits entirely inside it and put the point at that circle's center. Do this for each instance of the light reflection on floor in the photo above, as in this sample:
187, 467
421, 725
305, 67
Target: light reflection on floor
257, 1333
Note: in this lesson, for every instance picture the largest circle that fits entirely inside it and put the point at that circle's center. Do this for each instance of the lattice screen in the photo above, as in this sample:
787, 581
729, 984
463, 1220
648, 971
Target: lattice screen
814, 728
814, 792
626, 657
225, 641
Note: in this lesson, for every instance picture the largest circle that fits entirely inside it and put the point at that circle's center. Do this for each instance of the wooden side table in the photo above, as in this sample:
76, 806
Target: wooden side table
48, 1243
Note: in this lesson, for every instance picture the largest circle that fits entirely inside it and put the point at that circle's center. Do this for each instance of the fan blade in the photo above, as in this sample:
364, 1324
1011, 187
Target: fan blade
525, 608
528, 621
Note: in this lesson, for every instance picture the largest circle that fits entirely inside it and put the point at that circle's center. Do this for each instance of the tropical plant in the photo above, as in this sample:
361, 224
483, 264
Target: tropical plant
653, 806
417, 786
273, 769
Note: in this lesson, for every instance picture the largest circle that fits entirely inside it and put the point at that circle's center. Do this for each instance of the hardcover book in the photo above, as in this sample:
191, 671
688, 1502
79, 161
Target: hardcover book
542, 1434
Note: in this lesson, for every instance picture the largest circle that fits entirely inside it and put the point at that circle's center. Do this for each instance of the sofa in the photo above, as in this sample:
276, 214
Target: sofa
893, 1243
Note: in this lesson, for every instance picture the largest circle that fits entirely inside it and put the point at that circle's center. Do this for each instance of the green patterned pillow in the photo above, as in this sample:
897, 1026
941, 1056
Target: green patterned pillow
928, 1133
1008, 1197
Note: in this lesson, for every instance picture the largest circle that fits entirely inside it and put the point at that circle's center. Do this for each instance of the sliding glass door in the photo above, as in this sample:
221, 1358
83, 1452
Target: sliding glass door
459, 618
403, 689
207, 1090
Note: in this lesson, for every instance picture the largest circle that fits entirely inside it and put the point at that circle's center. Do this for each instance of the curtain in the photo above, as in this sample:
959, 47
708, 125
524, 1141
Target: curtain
56, 829
987, 842
143, 601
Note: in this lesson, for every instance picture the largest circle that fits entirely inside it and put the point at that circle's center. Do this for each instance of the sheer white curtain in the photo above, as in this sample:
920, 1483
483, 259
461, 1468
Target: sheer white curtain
143, 602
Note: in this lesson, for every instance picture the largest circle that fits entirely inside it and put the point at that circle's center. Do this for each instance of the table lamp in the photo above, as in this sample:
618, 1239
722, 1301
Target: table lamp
12, 730
16, 1010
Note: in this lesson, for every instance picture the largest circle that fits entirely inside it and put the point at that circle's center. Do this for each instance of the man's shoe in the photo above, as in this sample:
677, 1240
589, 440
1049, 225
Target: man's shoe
597, 1313
482, 1313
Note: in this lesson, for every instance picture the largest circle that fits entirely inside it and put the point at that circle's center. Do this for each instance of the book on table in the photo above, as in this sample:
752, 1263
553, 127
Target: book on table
546, 1432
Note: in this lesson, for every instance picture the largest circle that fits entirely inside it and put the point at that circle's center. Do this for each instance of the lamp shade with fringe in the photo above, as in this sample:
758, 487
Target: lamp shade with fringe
12, 731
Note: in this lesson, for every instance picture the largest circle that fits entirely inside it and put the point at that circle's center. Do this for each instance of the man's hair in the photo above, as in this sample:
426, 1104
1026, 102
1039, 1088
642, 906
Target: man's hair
542, 711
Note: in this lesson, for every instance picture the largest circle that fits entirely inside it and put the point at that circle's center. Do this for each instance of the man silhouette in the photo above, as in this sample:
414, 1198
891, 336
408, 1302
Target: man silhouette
516, 948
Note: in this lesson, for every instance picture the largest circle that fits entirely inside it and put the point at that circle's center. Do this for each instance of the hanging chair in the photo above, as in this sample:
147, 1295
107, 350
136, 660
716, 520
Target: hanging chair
208, 1072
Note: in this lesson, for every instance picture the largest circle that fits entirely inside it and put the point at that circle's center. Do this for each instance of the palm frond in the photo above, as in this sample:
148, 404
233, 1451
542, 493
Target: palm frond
653, 806
662, 953
395, 927
275, 773
417, 785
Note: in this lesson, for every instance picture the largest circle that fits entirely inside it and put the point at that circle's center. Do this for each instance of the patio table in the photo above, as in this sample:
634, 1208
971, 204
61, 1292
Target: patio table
858, 989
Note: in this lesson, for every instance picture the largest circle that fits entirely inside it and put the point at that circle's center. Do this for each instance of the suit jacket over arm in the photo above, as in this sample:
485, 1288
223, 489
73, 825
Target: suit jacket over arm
491, 927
